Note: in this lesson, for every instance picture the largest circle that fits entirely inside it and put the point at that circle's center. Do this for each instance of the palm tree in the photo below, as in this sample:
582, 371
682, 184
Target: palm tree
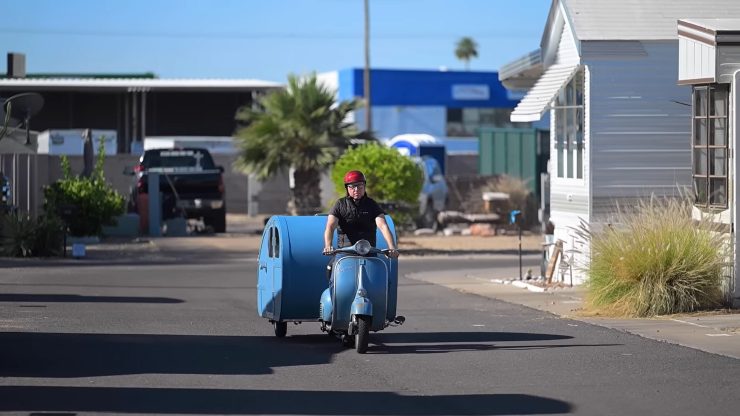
465, 50
298, 128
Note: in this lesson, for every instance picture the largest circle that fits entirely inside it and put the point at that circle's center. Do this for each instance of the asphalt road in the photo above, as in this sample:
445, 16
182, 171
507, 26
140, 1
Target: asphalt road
185, 339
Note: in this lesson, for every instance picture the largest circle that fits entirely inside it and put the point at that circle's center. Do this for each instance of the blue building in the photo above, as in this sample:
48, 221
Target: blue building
444, 104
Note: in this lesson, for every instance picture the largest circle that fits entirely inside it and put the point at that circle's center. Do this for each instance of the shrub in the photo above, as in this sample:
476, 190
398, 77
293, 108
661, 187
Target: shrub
96, 202
516, 188
23, 236
656, 260
393, 179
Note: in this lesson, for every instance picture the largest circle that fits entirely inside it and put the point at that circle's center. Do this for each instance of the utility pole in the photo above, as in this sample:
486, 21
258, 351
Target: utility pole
366, 73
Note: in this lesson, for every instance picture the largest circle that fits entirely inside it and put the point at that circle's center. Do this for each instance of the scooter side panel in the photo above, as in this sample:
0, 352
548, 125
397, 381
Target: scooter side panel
392, 288
326, 307
392, 268
376, 285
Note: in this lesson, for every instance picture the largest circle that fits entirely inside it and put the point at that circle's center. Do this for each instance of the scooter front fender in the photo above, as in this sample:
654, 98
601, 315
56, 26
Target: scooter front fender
362, 306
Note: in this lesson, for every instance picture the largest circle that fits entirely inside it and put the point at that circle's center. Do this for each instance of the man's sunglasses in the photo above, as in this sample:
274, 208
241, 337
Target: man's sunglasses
355, 185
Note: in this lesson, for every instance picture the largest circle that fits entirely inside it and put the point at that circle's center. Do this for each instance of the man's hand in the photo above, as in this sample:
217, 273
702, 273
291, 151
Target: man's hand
392, 253
328, 250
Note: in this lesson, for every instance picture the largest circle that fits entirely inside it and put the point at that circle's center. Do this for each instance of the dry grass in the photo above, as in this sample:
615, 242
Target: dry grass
655, 260
516, 188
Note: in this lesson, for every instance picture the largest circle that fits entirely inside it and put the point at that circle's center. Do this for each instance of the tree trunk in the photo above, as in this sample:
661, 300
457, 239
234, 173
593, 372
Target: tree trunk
306, 196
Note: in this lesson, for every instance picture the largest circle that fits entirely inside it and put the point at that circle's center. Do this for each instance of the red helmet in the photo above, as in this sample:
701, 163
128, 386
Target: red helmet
354, 176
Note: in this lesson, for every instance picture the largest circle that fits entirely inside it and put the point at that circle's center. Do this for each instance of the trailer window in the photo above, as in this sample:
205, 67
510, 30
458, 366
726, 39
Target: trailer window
277, 244
709, 139
270, 244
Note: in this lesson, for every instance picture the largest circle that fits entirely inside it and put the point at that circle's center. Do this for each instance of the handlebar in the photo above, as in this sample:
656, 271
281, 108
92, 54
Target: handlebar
361, 248
336, 251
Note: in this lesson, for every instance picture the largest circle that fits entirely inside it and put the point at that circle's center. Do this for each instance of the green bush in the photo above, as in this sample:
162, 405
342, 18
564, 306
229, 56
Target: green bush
23, 236
656, 261
393, 179
95, 201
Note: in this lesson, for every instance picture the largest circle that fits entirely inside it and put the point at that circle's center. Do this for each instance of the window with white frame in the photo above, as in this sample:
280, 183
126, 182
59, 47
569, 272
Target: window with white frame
709, 142
569, 116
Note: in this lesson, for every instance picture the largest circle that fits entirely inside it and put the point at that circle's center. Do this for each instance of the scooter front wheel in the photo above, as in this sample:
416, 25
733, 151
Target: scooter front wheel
281, 328
363, 333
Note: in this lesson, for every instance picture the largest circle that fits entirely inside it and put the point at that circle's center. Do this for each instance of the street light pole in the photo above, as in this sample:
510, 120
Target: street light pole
366, 73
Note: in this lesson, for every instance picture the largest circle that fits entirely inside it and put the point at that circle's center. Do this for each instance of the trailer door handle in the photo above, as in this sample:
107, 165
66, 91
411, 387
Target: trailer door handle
263, 266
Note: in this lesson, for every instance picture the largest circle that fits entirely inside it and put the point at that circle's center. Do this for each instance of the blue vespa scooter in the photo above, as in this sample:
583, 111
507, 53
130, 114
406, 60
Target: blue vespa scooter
361, 297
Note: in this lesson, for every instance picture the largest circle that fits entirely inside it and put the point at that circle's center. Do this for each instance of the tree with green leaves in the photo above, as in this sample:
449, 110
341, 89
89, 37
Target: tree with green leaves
95, 201
300, 128
392, 178
465, 50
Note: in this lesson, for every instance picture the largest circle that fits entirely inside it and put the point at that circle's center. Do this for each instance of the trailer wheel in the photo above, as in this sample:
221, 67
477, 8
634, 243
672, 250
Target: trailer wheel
363, 333
281, 328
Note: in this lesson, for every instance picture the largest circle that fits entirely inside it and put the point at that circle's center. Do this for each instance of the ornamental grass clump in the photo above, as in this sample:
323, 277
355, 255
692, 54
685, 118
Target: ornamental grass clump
655, 260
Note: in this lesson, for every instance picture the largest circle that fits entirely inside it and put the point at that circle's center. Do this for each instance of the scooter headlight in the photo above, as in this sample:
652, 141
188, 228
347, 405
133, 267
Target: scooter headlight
363, 247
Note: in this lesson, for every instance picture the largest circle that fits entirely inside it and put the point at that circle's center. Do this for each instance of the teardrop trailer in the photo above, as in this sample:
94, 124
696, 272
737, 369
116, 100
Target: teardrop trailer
292, 284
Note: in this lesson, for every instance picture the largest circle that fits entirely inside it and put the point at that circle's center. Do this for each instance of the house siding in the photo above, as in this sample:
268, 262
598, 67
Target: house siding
569, 197
567, 194
728, 61
641, 136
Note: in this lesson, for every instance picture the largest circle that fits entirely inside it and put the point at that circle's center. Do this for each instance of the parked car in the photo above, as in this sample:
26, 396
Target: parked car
191, 185
433, 197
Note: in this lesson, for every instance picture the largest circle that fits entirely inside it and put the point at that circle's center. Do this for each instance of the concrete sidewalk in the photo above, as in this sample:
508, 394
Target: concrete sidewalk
717, 333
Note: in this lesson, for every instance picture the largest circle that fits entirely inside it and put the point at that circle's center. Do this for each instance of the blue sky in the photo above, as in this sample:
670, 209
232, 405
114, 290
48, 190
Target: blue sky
263, 39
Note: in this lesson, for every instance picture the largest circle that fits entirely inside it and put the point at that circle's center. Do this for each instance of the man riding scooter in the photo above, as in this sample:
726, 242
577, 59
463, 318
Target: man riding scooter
359, 297
358, 217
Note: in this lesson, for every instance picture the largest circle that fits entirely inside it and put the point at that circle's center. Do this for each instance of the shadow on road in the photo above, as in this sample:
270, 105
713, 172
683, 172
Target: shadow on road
440, 337
49, 298
62, 355
58, 355
103, 258
301, 402
445, 342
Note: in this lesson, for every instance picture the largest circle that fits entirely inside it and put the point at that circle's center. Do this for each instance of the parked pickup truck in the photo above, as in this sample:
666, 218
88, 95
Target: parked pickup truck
190, 183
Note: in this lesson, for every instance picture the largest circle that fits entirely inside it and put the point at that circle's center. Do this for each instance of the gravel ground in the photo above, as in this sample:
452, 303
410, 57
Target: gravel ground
243, 224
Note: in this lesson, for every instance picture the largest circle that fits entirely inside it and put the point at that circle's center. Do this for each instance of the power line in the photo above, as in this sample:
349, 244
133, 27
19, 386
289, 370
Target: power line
276, 35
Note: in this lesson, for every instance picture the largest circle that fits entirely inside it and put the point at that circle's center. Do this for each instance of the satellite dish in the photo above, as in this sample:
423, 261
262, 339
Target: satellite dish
11, 120
25, 105
21, 108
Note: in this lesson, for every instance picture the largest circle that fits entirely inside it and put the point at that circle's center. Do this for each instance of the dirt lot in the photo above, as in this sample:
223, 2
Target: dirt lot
470, 243
241, 225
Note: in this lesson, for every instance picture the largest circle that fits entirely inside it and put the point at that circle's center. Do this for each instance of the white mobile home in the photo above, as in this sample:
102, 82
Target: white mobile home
620, 123
709, 61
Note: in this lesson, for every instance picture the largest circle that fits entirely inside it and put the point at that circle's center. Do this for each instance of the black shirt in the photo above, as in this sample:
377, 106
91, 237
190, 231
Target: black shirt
356, 219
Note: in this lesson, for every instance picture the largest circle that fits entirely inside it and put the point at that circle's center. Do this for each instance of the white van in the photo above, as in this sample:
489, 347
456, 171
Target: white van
433, 197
